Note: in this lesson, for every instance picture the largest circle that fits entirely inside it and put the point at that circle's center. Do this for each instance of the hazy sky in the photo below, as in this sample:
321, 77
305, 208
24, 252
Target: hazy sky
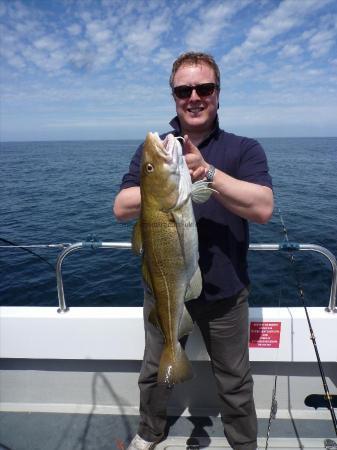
99, 69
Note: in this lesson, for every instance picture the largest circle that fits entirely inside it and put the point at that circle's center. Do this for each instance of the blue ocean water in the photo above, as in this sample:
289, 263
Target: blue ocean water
55, 192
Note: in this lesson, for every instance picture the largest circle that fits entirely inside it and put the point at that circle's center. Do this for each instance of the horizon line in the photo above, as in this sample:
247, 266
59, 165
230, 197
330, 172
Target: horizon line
142, 139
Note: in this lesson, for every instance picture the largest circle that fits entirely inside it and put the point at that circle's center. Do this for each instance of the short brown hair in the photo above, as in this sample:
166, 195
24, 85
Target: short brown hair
193, 59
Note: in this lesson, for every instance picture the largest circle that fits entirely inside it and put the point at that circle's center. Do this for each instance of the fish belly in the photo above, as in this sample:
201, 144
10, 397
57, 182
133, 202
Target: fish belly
165, 253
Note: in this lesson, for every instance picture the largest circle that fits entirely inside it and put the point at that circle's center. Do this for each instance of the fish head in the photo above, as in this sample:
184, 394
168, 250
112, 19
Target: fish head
164, 175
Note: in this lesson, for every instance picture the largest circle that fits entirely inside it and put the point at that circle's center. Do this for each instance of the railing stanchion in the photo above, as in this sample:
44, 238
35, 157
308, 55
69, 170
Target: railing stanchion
70, 249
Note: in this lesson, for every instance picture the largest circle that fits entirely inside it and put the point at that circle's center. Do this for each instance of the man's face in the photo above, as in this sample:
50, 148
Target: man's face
196, 113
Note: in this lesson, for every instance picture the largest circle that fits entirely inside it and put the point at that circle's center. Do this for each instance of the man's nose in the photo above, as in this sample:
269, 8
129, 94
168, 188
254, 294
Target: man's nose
194, 95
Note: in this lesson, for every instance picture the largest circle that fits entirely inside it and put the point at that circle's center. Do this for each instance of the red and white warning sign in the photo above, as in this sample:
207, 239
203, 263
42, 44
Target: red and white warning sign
265, 334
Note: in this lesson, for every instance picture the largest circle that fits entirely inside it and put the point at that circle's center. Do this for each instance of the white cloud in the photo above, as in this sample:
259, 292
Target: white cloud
165, 57
8, 38
105, 55
207, 28
185, 9
2, 9
75, 29
112, 58
97, 31
288, 15
13, 59
290, 51
46, 61
17, 10
322, 42
27, 28
48, 43
280, 120
146, 35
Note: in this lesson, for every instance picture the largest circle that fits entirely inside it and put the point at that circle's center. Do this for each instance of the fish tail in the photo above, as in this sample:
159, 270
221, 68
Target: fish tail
174, 367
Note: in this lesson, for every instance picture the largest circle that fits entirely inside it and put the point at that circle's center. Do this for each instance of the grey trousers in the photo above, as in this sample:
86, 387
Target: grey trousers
224, 327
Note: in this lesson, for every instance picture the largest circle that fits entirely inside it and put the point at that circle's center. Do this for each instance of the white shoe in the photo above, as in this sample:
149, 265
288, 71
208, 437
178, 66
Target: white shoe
138, 443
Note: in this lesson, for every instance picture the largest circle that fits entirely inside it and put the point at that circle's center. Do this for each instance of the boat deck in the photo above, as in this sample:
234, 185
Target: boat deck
59, 431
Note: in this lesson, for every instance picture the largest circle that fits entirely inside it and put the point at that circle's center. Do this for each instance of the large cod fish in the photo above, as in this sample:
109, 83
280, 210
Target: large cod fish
166, 237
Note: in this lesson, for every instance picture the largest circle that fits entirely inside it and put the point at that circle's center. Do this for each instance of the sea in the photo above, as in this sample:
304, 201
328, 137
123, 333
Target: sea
63, 192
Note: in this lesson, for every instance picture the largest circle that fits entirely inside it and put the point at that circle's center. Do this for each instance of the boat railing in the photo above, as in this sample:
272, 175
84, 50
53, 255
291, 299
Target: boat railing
284, 246
93, 243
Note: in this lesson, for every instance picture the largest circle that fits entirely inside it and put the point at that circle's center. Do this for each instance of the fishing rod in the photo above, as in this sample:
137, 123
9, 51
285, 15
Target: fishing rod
273, 411
328, 396
27, 249
274, 405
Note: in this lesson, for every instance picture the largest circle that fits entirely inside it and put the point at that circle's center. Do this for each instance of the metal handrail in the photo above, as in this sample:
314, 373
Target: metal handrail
284, 246
72, 248
292, 246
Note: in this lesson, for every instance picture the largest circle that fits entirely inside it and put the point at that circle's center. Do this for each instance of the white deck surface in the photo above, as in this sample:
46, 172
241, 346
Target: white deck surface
219, 443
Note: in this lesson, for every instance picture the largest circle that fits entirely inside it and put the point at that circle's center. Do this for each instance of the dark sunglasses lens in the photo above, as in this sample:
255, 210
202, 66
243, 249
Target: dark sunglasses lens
205, 89
183, 91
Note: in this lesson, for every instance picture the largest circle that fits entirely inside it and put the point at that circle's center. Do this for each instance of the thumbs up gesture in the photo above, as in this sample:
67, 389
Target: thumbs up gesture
194, 160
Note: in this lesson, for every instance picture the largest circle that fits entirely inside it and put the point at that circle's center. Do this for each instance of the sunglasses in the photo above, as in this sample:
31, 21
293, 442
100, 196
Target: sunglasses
203, 90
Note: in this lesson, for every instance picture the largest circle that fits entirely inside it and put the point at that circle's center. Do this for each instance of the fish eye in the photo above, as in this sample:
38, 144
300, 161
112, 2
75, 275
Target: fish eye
149, 168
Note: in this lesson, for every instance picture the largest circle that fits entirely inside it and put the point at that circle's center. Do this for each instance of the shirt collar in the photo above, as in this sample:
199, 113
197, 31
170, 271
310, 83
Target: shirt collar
175, 124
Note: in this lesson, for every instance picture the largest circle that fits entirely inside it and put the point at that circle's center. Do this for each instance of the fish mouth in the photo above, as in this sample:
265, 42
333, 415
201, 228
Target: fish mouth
168, 148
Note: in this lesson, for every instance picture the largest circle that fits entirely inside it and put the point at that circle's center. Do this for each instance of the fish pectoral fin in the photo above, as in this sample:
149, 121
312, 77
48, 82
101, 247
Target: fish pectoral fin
153, 318
179, 221
147, 277
195, 287
186, 324
137, 242
201, 191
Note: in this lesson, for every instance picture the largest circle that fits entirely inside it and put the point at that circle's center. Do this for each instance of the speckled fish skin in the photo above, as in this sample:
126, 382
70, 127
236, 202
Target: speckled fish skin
166, 236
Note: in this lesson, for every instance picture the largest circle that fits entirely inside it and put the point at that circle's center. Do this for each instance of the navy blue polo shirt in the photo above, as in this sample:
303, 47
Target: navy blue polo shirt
223, 236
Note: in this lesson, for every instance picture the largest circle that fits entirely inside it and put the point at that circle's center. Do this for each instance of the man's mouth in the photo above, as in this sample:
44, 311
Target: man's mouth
195, 109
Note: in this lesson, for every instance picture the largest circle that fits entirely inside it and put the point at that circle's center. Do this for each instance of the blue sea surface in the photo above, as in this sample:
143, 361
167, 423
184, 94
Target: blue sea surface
61, 192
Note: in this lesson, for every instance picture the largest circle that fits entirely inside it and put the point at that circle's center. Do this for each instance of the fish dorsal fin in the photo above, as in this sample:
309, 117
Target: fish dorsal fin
137, 243
195, 286
201, 191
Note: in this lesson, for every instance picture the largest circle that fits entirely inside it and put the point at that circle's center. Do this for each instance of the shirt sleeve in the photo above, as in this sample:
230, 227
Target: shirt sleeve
132, 177
253, 165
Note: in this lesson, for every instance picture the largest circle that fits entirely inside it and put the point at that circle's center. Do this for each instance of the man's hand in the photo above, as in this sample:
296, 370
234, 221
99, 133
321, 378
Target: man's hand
248, 200
194, 160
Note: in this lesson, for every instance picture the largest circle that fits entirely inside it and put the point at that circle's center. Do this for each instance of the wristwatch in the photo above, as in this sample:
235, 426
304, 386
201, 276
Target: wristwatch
210, 173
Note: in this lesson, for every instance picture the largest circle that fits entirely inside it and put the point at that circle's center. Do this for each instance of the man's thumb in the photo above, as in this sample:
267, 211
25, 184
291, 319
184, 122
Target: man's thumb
188, 145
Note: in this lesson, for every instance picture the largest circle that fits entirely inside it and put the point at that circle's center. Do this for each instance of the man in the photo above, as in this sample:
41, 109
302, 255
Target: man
237, 169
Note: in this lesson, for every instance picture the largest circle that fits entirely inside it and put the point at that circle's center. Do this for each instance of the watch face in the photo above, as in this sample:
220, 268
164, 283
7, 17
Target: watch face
210, 173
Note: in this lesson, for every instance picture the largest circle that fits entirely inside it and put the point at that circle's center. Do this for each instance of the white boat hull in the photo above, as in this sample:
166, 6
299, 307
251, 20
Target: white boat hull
86, 361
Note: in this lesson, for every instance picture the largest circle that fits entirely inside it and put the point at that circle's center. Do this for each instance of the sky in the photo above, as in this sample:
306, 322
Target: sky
99, 69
